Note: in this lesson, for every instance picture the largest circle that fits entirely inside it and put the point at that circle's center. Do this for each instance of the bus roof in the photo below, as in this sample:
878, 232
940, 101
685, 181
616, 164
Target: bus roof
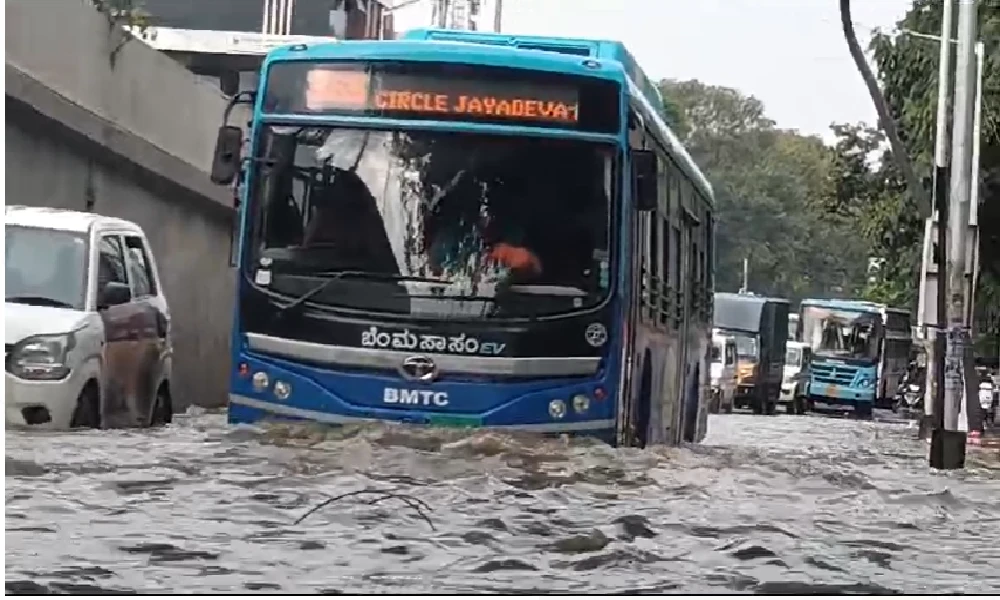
853, 304
579, 47
586, 58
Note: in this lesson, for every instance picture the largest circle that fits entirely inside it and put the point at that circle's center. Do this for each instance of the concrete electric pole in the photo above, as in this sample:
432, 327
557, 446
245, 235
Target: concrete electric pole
948, 442
933, 321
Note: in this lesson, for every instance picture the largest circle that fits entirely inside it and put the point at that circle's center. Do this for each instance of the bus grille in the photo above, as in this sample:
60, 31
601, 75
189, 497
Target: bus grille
833, 374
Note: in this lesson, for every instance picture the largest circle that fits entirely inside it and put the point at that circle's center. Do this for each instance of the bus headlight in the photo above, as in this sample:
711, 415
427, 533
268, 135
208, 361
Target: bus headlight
557, 409
581, 403
259, 381
282, 390
865, 383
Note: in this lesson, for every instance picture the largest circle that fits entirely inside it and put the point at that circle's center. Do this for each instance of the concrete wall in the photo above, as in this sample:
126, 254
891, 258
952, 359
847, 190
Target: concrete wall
130, 137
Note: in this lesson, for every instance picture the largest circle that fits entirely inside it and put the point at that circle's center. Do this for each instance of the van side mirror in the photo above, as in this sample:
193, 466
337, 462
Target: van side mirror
644, 174
112, 294
226, 161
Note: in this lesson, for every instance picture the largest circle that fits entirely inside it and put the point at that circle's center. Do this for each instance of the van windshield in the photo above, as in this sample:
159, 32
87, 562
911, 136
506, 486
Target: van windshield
45, 267
793, 357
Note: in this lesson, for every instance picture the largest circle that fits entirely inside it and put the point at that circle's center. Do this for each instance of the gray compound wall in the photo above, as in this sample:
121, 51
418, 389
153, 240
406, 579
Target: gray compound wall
118, 128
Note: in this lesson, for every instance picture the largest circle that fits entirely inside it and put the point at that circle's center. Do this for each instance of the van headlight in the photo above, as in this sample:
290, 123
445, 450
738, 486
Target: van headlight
41, 357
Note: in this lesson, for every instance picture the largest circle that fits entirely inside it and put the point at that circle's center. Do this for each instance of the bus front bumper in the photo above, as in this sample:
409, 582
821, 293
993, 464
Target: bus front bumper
333, 398
840, 395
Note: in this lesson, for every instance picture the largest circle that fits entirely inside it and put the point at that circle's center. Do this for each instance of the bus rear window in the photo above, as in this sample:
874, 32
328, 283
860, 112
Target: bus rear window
443, 91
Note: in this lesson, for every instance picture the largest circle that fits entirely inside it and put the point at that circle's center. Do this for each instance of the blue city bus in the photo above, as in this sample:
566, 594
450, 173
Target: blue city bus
860, 352
462, 229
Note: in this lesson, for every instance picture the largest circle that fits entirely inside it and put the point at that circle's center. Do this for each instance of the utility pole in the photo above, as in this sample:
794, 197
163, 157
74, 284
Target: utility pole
933, 387
498, 16
948, 443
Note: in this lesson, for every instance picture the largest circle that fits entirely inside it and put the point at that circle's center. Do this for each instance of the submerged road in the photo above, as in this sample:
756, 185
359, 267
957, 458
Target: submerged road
777, 504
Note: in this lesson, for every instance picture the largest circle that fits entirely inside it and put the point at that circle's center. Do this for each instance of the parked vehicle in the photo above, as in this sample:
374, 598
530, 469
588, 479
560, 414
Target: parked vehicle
760, 328
87, 325
723, 373
795, 380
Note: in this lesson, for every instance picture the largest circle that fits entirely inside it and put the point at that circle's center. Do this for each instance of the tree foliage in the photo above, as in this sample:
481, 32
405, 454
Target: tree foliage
809, 216
907, 67
770, 188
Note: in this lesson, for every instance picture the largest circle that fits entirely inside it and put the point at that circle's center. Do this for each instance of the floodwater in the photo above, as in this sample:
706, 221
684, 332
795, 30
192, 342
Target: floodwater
778, 504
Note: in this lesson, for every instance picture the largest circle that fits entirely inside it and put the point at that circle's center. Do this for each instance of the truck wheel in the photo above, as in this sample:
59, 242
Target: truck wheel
863, 411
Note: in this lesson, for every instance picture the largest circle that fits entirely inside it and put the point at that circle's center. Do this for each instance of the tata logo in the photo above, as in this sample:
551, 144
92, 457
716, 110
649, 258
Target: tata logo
419, 368
414, 397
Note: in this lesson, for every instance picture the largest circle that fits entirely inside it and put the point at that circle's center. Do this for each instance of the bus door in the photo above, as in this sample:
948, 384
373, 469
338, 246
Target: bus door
690, 358
634, 294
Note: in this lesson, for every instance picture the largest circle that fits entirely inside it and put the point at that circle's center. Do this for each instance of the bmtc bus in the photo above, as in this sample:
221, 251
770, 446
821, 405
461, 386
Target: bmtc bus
860, 352
463, 229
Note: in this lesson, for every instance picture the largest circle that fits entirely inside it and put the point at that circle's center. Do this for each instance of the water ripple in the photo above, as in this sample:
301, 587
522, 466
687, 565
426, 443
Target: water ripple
769, 505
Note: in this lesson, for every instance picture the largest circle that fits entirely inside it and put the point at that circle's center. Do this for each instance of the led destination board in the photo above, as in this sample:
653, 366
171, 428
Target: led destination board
443, 92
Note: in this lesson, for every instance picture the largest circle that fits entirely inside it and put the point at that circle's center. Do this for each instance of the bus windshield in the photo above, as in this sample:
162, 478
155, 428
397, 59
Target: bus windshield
462, 225
842, 333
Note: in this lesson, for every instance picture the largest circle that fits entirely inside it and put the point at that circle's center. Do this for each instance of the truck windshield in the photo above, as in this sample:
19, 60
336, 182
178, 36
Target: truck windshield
746, 347
460, 225
842, 333
45, 267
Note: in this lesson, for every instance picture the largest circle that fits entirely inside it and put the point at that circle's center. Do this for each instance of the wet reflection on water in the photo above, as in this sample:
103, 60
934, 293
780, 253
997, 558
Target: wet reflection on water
768, 505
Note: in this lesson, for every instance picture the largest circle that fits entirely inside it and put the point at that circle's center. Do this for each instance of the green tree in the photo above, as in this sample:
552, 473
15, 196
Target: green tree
768, 185
907, 67
868, 192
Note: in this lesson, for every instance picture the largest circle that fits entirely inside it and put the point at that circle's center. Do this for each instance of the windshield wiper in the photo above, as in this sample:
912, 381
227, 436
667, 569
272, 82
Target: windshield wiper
39, 300
338, 275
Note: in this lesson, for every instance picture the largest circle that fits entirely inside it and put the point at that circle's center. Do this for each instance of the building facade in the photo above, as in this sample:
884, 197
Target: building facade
224, 41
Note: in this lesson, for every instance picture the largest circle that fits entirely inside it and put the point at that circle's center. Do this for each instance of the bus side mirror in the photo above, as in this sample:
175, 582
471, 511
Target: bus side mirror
226, 161
644, 173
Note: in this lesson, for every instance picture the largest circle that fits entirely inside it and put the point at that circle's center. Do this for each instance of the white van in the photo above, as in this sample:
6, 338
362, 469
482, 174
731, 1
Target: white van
795, 379
87, 325
723, 374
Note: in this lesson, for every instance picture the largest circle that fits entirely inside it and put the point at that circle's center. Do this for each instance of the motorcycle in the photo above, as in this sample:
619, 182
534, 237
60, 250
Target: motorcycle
987, 402
909, 396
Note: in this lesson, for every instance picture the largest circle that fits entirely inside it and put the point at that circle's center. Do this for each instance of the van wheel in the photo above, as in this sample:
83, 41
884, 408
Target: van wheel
163, 407
87, 413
